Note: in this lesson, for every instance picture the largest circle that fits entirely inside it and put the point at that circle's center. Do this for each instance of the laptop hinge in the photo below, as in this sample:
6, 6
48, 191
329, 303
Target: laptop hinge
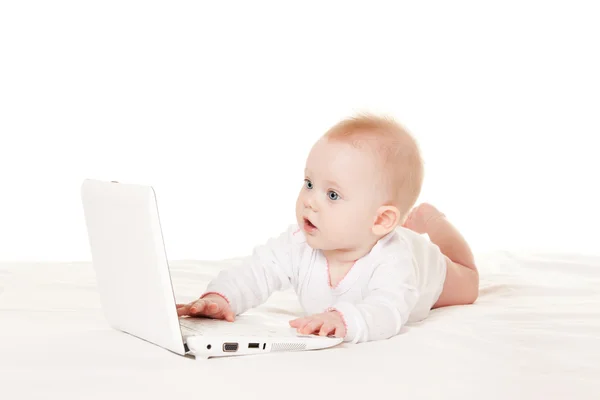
186, 348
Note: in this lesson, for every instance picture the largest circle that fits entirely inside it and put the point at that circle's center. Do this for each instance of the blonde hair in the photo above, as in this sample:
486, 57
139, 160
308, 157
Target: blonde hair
396, 152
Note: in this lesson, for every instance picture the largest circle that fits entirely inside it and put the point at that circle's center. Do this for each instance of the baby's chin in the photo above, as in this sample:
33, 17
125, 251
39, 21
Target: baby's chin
314, 240
313, 243
319, 242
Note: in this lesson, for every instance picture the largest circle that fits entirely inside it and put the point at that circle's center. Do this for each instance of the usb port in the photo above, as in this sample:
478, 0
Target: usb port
253, 345
230, 347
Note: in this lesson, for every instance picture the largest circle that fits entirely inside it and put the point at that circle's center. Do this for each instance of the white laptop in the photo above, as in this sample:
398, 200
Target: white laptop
136, 293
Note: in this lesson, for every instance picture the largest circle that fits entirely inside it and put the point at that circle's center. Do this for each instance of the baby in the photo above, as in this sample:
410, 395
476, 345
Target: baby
355, 258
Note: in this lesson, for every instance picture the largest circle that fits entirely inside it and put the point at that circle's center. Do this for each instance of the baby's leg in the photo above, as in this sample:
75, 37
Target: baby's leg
462, 279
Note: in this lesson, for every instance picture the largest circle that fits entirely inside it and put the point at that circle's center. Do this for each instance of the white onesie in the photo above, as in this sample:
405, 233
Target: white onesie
398, 281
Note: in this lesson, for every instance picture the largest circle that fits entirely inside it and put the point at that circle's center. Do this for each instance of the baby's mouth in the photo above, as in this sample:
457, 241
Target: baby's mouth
309, 224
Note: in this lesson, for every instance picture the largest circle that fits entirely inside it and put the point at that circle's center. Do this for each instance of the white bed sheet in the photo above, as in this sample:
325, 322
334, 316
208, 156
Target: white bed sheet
533, 334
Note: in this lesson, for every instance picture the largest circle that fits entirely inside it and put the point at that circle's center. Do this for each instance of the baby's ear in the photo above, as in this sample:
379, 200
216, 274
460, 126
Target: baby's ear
388, 217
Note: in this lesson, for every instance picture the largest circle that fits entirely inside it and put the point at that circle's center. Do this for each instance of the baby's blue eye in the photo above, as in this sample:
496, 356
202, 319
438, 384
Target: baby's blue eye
333, 195
308, 184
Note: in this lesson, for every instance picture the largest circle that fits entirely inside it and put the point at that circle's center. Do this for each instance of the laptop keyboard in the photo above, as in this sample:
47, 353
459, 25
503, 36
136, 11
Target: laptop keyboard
200, 326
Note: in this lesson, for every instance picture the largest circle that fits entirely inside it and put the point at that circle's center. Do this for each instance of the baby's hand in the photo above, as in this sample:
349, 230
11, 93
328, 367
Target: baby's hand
324, 324
211, 306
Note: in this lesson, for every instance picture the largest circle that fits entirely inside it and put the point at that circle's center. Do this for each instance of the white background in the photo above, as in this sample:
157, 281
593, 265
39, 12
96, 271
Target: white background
216, 104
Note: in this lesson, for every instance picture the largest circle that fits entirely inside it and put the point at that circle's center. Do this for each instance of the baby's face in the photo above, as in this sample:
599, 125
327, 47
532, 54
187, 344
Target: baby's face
337, 205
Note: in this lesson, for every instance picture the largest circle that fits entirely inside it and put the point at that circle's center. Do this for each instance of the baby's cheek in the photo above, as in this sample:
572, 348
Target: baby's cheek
351, 223
298, 207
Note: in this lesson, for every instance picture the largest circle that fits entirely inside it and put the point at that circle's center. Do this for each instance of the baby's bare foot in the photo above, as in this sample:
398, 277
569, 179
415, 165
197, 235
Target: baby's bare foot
421, 217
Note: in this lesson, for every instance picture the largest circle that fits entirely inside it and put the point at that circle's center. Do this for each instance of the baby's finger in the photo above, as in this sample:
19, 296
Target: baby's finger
340, 331
326, 329
198, 307
312, 326
303, 323
211, 309
185, 310
298, 322
229, 316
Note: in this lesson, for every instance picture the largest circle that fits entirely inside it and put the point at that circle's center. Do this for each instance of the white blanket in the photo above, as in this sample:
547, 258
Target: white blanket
533, 334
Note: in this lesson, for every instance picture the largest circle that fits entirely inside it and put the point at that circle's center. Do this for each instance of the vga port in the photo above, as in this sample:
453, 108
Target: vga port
230, 347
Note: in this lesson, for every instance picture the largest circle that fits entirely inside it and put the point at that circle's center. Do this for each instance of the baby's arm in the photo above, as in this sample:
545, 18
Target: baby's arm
269, 269
382, 313
392, 296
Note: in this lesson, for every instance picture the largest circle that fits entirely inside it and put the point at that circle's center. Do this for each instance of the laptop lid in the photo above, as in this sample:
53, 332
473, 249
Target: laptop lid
130, 261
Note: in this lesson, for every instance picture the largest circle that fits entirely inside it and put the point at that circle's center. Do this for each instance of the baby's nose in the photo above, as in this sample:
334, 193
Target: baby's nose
309, 202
